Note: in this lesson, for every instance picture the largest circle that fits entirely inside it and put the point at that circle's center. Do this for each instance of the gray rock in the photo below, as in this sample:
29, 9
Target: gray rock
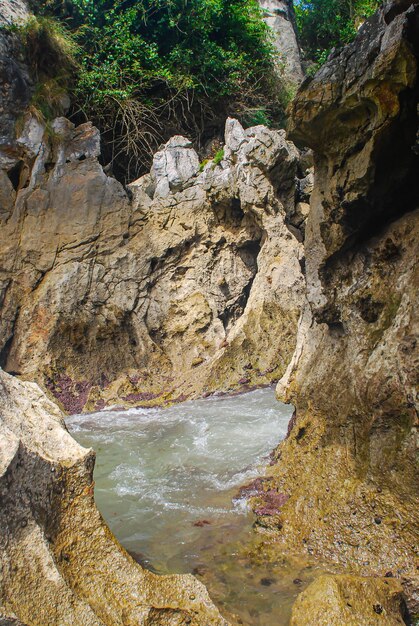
12, 11
174, 167
279, 15
15, 94
306, 186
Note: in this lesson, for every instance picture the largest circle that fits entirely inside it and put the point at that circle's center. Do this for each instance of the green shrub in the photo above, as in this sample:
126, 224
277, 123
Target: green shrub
218, 157
50, 48
256, 117
325, 24
203, 164
151, 68
51, 53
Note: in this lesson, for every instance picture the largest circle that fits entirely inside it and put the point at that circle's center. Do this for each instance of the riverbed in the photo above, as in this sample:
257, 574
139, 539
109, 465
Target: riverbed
167, 483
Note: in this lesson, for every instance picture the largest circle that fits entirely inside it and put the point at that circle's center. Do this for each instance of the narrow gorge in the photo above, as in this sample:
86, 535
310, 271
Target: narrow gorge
282, 257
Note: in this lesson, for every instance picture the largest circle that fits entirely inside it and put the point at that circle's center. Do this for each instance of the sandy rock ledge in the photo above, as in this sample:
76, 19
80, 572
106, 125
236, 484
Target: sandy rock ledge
350, 601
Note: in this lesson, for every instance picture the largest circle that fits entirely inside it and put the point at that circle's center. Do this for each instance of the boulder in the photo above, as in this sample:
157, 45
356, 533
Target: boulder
174, 167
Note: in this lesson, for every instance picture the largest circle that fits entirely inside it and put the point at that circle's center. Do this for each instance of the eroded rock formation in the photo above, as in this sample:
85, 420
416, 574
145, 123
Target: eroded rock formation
59, 563
169, 293
347, 470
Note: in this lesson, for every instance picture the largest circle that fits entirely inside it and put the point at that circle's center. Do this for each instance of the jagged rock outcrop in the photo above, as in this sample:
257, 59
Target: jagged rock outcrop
166, 293
279, 15
347, 471
59, 563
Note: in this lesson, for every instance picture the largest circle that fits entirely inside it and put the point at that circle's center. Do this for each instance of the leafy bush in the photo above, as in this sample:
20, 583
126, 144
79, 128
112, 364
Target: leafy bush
255, 117
151, 68
325, 24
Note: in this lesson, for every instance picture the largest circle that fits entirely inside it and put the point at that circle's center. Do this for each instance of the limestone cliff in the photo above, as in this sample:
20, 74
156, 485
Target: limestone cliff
279, 15
347, 470
164, 291
59, 563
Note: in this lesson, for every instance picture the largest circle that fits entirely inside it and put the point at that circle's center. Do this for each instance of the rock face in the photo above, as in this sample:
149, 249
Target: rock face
15, 91
59, 563
350, 600
348, 465
13, 11
168, 292
279, 15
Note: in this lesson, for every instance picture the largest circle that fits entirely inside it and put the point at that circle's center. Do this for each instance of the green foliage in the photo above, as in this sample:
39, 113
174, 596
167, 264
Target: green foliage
203, 164
219, 156
215, 160
51, 53
50, 49
325, 24
211, 46
255, 117
149, 68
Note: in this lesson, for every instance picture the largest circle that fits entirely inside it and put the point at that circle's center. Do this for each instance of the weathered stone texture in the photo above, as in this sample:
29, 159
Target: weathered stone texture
348, 465
279, 15
15, 83
167, 295
59, 563
350, 601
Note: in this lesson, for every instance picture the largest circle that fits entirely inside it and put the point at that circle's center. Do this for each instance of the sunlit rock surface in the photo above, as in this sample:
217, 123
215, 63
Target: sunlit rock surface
348, 470
350, 601
59, 563
279, 15
169, 291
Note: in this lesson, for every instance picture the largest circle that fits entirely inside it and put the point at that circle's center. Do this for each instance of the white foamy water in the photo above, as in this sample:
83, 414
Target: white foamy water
159, 471
167, 481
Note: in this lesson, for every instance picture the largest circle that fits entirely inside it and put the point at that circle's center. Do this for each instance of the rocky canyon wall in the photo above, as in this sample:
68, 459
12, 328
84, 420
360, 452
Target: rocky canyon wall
161, 292
347, 471
192, 280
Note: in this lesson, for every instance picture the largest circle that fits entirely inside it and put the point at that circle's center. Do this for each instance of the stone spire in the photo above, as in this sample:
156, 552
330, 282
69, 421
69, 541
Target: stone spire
279, 15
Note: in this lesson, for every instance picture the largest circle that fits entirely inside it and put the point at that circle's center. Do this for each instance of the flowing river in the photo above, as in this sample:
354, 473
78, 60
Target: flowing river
167, 482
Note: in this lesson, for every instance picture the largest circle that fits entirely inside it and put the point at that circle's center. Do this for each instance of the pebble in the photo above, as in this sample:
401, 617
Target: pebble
267, 582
